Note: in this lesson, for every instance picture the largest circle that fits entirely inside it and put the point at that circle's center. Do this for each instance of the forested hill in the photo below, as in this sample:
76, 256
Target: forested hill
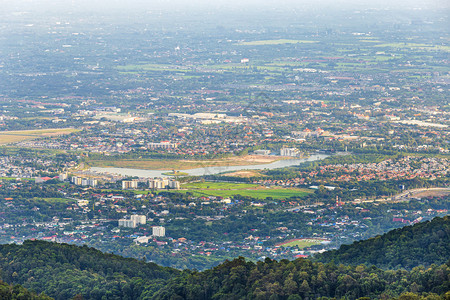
18, 292
304, 279
420, 244
63, 271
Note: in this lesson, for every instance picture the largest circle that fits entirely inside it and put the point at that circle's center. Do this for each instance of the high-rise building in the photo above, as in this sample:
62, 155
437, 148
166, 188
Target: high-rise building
139, 219
174, 184
158, 231
127, 223
126, 184
83, 181
77, 180
92, 182
62, 177
289, 152
162, 183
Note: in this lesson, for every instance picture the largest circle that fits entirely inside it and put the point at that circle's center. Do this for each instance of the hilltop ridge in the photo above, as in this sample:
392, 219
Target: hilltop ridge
64, 271
424, 244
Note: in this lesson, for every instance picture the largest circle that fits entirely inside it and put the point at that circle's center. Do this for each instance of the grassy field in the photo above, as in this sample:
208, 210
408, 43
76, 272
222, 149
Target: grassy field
223, 189
301, 243
275, 42
415, 46
175, 173
55, 200
245, 174
8, 137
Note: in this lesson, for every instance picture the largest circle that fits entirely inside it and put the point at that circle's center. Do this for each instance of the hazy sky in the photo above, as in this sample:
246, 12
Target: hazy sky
107, 5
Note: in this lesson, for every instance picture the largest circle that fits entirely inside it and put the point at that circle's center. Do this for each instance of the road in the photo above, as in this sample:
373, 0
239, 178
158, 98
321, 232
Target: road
404, 196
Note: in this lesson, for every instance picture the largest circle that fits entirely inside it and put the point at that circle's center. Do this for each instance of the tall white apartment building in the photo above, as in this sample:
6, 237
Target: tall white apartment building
158, 231
129, 184
139, 219
289, 152
127, 223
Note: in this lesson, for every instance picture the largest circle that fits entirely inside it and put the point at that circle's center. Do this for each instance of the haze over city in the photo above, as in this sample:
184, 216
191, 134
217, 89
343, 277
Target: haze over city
224, 149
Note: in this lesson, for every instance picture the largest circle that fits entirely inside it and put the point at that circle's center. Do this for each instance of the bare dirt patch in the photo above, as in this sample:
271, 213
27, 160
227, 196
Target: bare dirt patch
432, 193
244, 174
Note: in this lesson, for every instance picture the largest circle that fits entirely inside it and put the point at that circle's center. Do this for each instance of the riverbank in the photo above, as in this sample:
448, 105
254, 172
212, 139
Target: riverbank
184, 164
206, 170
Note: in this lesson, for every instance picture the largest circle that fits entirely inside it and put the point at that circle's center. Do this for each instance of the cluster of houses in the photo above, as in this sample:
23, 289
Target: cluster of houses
403, 168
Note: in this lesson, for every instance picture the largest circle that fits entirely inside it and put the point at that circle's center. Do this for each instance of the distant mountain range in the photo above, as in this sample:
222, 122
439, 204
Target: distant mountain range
65, 271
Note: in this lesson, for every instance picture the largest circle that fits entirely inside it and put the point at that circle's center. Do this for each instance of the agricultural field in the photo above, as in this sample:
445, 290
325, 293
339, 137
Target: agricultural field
9, 137
220, 189
275, 42
301, 243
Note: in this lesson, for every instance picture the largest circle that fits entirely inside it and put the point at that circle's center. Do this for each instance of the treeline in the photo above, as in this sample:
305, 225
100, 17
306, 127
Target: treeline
18, 292
64, 271
425, 244
304, 279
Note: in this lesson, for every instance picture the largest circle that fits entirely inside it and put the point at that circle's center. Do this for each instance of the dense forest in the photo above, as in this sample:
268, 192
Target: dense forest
303, 279
18, 292
424, 244
66, 271
63, 271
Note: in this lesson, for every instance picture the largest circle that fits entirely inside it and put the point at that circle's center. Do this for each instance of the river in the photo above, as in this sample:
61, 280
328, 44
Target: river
209, 170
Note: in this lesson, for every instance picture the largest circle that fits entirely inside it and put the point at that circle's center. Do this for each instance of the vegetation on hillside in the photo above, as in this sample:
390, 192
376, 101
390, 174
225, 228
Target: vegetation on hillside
303, 279
424, 244
18, 292
63, 271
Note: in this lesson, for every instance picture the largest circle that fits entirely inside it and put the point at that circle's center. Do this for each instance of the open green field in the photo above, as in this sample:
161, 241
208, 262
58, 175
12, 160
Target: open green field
8, 137
14, 178
175, 173
301, 243
415, 46
224, 189
55, 200
275, 42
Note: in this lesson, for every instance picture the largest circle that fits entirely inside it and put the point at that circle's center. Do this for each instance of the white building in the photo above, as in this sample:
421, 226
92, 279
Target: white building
62, 177
127, 223
92, 182
158, 183
77, 180
262, 152
139, 219
83, 181
289, 152
162, 145
162, 183
158, 231
132, 184
174, 184
142, 240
